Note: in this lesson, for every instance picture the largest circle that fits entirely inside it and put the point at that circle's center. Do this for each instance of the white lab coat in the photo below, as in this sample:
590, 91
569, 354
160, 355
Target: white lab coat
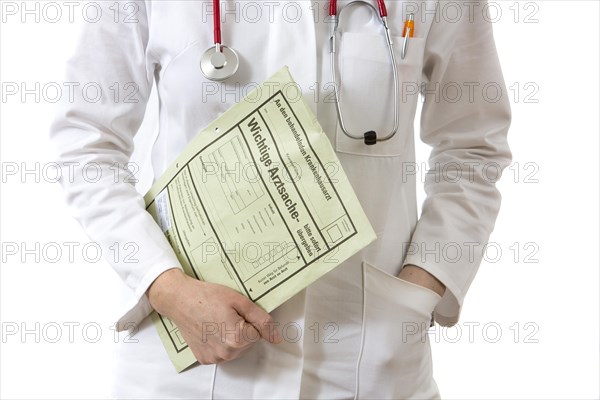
357, 332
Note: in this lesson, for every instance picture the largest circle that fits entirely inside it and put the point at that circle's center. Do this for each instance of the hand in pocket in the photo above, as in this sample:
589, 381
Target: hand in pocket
396, 357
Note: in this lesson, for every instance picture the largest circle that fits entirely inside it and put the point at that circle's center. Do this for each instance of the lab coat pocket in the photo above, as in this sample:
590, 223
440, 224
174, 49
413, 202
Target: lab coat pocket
395, 359
365, 82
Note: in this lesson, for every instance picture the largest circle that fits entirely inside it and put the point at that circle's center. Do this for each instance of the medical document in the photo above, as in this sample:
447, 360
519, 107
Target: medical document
258, 202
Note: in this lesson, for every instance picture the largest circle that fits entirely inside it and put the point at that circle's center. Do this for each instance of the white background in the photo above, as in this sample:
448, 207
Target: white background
536, 304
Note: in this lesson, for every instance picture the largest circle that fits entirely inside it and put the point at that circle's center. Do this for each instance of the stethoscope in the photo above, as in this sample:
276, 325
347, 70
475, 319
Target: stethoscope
369, 137
218, 62
221, 62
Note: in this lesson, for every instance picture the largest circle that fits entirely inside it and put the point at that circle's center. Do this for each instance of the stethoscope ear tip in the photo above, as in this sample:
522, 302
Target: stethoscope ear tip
370, 138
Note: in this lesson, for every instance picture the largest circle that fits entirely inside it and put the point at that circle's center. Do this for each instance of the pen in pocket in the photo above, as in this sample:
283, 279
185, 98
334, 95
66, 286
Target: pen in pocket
408, 31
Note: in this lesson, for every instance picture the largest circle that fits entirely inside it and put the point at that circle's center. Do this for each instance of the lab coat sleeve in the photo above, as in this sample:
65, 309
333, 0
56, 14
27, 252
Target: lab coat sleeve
93, 139
468, 135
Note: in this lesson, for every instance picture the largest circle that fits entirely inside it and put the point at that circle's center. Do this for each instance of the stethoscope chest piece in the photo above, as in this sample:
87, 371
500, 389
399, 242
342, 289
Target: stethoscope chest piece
219, 63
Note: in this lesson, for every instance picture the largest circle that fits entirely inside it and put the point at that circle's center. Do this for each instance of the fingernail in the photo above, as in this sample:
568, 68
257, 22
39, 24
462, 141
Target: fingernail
277, 337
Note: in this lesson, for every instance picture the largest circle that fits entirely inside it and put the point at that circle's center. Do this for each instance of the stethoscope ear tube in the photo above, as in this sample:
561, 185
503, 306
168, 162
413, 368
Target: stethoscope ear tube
370, 137
220, 62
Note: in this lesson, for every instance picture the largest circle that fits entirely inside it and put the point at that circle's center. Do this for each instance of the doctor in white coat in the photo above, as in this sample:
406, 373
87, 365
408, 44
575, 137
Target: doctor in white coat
359, 332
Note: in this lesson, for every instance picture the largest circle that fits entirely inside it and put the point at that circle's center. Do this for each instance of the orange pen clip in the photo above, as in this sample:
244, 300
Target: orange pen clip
408, 31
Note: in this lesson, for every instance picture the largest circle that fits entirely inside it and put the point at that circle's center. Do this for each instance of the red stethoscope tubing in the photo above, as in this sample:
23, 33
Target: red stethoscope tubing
380, 5
332, 12
217, 21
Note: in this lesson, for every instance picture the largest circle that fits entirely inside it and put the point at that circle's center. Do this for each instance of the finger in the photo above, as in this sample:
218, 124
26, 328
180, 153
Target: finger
210, 361
250, 334
206, 358
232, 353
239, 334
259, 318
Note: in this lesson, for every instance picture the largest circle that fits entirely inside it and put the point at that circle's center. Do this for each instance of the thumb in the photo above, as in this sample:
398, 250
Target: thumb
259, 319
